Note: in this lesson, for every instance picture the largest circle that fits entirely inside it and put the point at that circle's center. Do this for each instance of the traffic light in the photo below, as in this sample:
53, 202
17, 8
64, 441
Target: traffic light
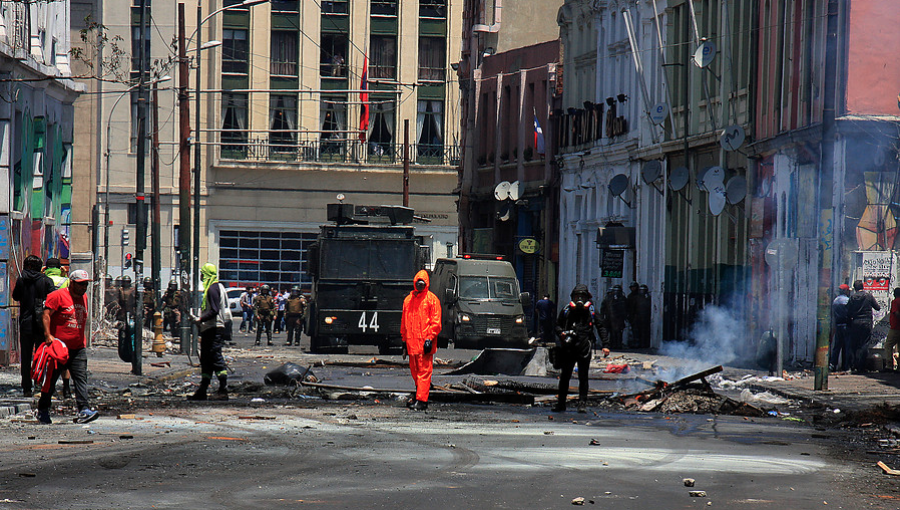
128, 261
125, 237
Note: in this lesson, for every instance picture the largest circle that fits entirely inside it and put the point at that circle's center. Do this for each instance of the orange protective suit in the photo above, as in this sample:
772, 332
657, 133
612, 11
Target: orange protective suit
421, 321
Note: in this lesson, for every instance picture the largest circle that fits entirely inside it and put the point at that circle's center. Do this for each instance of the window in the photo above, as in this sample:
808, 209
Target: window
381, 127
136, 47
285, 6
336, 7
333, 124
229, 3
429, 135
234, 124
282, 123
235, 49
433, 9
274, 258
284, 53
331, 57
383, 57
384, 8
432, 58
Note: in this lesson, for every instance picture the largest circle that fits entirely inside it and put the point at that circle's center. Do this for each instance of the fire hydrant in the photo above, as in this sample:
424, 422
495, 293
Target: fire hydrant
159, 345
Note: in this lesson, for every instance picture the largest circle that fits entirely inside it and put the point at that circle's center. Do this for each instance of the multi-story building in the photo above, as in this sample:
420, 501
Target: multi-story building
281, 130
637, 111
285, 130
36, 145
508, 77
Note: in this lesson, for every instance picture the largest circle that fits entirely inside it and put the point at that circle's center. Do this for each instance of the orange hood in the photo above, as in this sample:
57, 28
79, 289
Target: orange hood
422, 275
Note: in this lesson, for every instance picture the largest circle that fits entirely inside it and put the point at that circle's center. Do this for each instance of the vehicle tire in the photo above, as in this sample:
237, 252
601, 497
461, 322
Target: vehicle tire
390, 345
315, 345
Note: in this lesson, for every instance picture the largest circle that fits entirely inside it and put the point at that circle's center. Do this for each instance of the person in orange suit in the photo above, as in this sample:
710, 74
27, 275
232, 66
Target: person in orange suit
419, 326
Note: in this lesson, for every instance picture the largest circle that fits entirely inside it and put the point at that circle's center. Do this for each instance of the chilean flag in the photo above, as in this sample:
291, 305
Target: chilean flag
538, 136
364, 99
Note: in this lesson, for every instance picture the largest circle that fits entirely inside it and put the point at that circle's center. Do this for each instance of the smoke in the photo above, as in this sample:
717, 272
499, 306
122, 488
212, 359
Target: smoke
716, 338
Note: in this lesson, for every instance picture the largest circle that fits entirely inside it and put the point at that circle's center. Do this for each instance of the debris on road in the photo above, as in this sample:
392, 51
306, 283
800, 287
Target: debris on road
884, 467
697, 494
688, 482
289, 373
578, 501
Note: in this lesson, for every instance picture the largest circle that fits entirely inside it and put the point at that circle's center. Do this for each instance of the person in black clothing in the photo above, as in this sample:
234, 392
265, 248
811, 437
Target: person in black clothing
615, 311
839, 349
215, 325
546, 318
860, 312
31, 289
575, 338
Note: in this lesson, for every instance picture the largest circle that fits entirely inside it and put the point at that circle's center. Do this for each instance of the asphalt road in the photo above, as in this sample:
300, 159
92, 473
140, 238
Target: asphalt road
309, 452
379, 455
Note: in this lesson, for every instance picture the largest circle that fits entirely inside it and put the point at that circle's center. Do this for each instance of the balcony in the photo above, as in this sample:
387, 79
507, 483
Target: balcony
274, 147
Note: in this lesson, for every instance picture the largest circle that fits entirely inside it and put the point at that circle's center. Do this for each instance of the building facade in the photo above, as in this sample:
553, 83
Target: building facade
36, 146
508, 77
281, 130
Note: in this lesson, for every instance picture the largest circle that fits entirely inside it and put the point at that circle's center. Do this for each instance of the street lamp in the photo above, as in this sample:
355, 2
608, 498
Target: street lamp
108, 150
197, 141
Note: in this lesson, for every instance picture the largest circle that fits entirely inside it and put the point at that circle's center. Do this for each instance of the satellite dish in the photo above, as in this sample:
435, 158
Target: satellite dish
735, 189
504, 213
501, 192
705, 54
659, 112
732, 138
651, 171
618, 185
679, 178
340, 197
711, 177
717, 200
514, 191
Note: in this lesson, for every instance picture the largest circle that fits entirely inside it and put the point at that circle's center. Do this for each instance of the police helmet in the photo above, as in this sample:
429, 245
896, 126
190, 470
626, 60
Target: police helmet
126, 280
644, 287
173, 283
295, 288
617, 287
264, 288
633, 285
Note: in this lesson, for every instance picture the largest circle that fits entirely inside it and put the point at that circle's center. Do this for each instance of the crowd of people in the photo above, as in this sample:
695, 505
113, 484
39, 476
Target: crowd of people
283, 311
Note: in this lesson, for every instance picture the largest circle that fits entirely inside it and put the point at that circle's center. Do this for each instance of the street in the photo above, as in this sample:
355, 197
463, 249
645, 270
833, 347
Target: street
379, 455
268, 451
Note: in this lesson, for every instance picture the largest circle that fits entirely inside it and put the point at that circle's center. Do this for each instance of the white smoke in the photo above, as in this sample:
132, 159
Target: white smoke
714, 339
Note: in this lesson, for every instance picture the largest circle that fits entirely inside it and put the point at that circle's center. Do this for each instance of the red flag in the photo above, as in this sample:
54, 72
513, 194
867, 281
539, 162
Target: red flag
364, 99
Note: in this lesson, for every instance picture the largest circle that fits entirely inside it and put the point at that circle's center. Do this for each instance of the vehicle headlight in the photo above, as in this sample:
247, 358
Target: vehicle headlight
464, 318
329, 320
520, 319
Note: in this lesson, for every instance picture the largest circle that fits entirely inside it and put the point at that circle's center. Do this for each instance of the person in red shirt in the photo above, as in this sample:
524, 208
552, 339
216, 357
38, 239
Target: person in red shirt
893, 336
65, 318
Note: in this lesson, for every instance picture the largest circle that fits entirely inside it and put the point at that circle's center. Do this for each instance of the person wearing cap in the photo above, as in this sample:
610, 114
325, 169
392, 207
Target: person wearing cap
53, 269
420, 324
65, 318
839, 347
893, 336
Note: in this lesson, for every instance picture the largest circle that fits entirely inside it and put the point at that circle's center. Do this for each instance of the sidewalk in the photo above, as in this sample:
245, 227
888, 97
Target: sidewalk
845, 391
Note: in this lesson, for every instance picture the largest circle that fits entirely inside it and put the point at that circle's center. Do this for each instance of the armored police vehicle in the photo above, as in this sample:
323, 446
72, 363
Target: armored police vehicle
481, 305
362, 267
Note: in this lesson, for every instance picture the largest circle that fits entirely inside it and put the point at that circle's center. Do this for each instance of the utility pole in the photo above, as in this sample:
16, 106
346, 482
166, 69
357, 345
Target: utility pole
195, 274
406, 163
832, 181
155, 235
184, 174
140, 204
